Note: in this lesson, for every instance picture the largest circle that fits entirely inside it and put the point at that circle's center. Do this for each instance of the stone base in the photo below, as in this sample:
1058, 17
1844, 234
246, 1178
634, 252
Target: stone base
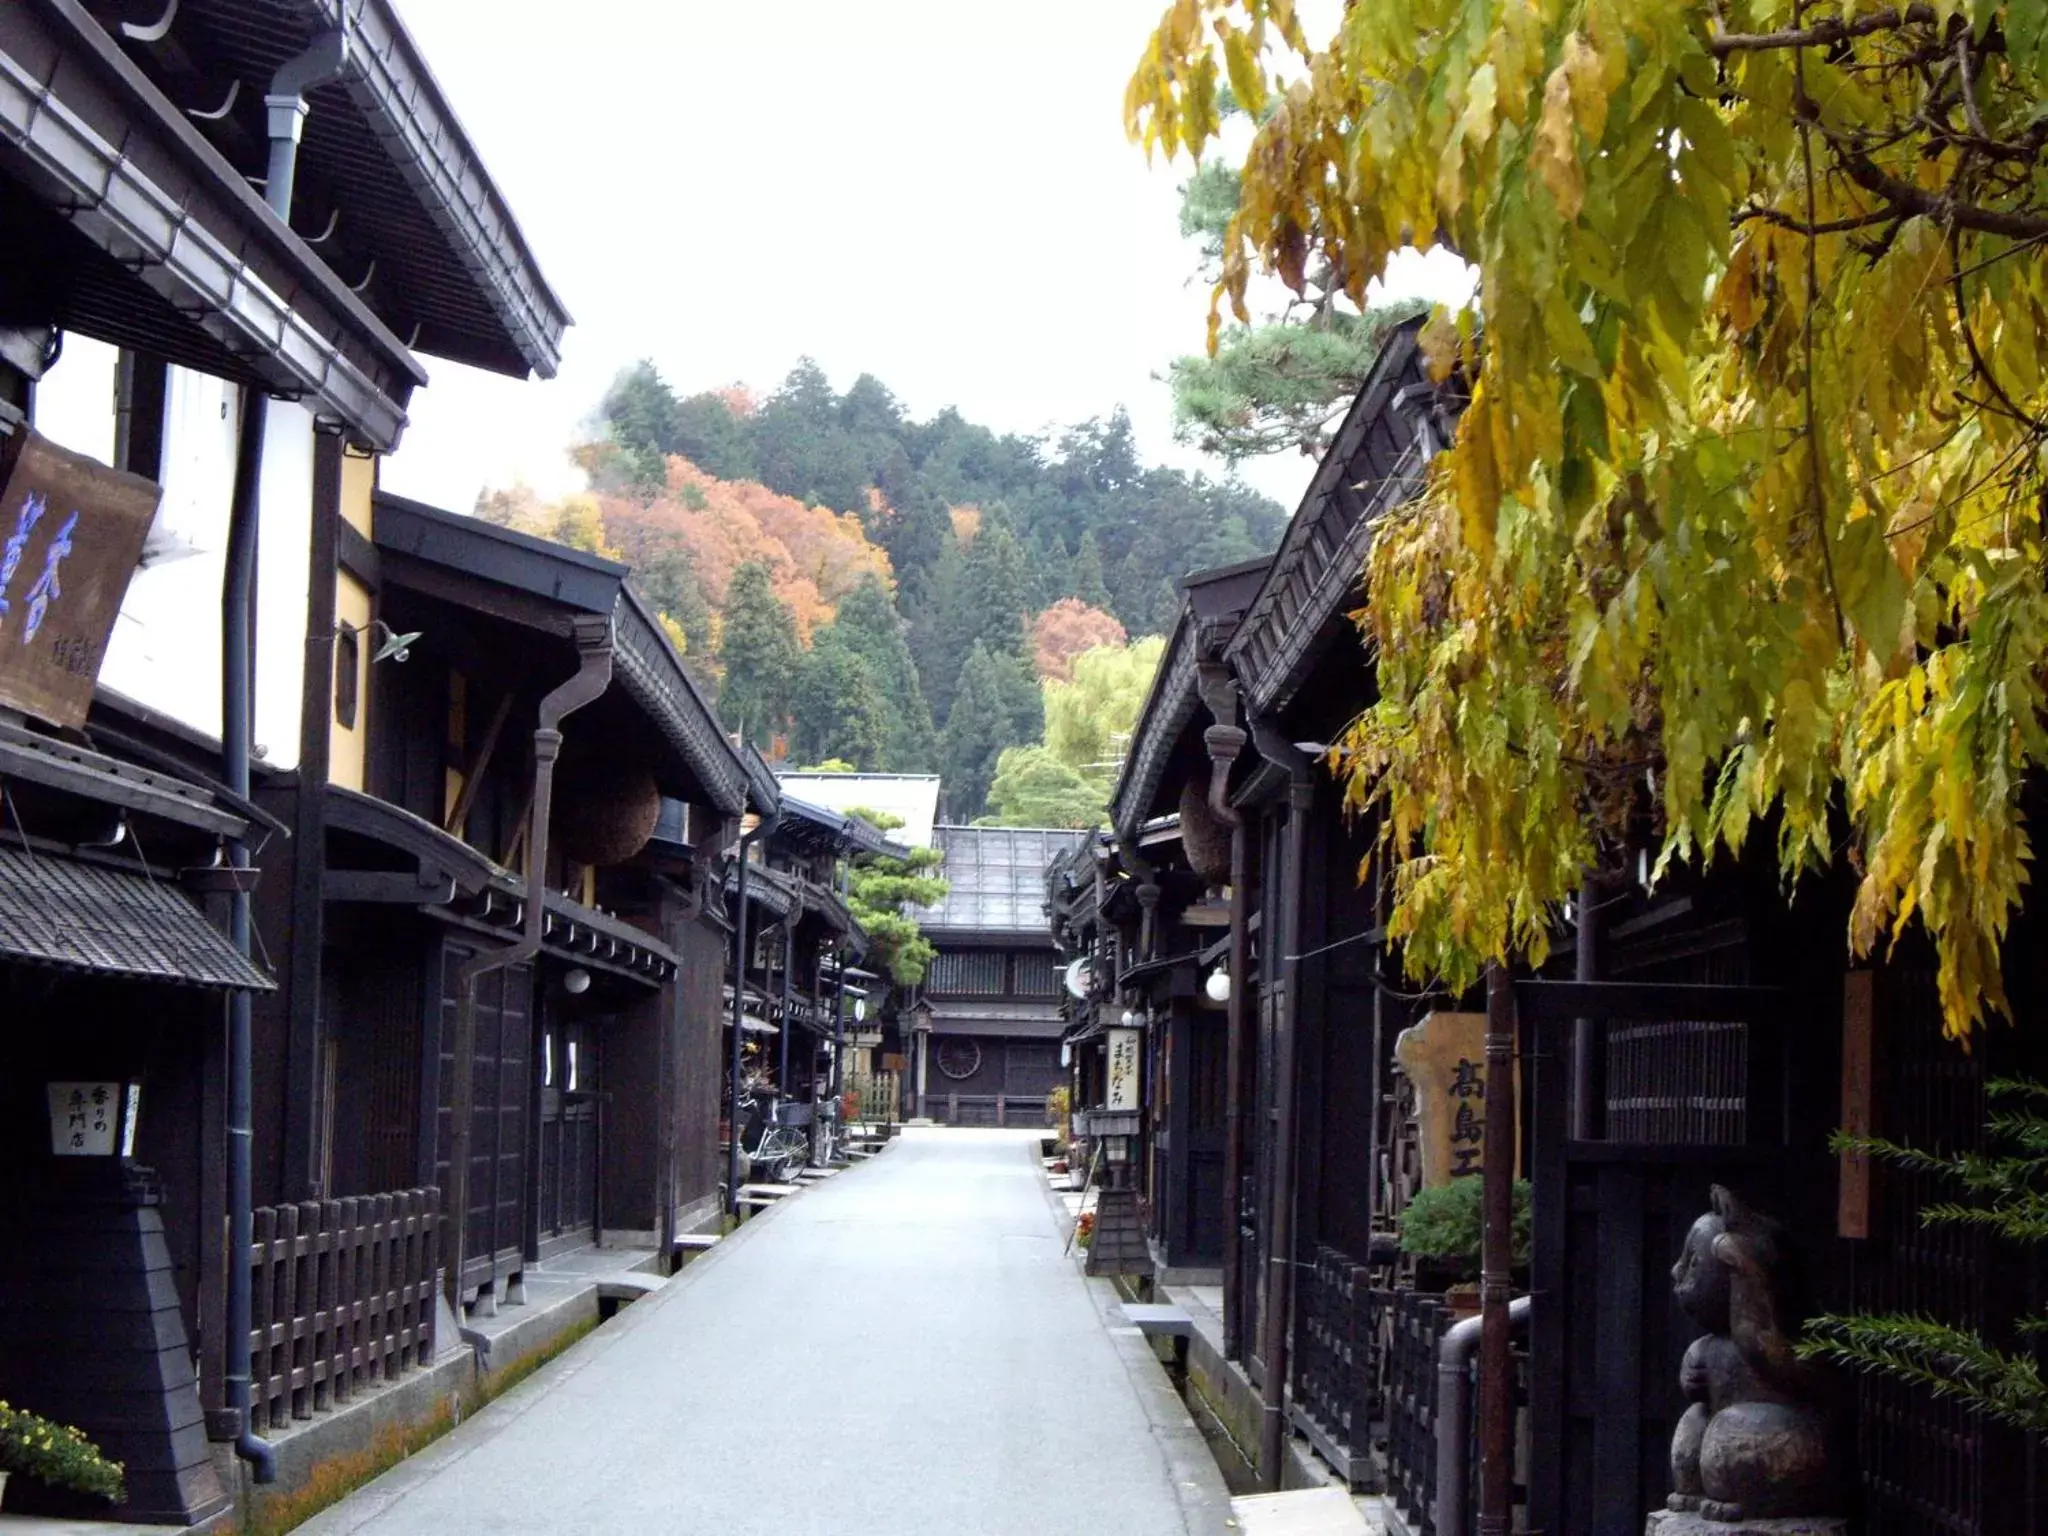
1670, 1522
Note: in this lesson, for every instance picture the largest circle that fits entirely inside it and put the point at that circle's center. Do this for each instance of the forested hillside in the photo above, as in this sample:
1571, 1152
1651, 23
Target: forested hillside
892, 594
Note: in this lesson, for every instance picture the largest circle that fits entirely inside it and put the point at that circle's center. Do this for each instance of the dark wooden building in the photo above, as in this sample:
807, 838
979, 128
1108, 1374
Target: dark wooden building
1709, 1031
573, 1079
987, 1046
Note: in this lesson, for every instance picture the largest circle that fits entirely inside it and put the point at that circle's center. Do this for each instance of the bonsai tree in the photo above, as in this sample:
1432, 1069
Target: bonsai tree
1445, 1226
56, 1454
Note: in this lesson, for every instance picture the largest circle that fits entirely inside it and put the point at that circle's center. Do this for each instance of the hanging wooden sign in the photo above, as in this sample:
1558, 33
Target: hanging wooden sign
71, 533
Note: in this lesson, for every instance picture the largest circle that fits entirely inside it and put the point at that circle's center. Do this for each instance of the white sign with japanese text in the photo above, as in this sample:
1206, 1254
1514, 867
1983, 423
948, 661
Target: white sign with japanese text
84, 1118
1123, 1069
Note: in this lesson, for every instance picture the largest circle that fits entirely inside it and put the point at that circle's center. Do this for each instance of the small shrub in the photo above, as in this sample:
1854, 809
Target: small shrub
56, 1454
1446, 1225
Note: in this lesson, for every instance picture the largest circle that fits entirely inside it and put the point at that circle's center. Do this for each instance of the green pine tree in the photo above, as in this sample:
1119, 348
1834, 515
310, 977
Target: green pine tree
868, 625
1088, 582
978, 728
839, 707
761, 657
994, 600
2002, 1191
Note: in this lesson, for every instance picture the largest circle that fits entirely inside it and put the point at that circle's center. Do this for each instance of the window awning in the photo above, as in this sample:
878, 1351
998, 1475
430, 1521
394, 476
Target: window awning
109, 922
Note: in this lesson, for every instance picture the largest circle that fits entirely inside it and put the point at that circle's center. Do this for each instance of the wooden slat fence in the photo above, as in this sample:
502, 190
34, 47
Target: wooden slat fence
342, 1297
1419, 1322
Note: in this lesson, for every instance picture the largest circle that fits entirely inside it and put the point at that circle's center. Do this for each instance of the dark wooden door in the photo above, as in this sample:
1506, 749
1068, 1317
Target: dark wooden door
1202, 1218
498, 1112
568, 1128
1691, 1094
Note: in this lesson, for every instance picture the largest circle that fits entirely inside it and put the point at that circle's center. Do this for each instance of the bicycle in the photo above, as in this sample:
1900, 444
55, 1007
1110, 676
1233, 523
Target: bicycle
783, 1150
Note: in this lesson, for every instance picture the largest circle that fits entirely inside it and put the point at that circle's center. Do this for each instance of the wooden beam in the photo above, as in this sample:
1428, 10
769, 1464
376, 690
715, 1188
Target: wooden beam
473, 775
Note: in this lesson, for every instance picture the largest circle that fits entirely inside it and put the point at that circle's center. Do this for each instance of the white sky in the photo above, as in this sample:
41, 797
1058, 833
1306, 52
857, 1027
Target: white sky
938, 192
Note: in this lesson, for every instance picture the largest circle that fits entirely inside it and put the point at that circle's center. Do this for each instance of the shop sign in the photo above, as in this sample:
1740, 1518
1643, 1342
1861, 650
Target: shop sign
85, 1119
71, 534
1444, 1057
1123, 1069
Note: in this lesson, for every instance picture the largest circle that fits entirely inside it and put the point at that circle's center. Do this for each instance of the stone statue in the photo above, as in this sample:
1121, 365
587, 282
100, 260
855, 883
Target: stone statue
1752, 1450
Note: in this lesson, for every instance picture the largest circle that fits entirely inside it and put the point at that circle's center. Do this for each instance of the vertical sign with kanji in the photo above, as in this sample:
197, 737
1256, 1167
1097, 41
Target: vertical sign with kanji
1445, 1058
71, 534
1123, 1069
84, 1118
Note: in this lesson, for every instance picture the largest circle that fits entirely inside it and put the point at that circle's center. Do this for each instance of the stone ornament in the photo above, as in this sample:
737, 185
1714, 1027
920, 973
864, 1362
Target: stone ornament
1751, 1452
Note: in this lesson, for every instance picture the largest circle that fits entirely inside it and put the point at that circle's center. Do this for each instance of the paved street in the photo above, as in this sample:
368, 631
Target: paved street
902, 1349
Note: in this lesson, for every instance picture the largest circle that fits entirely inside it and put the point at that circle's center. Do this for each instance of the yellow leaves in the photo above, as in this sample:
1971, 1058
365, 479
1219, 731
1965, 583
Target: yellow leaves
1556, 155
1440, 346
1622, 559
1738, 300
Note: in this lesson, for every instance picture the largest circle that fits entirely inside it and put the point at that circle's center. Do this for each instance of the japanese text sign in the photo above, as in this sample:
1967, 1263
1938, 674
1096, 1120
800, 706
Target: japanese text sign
1123, 1069
1445, 1058
84, 1118
71, 534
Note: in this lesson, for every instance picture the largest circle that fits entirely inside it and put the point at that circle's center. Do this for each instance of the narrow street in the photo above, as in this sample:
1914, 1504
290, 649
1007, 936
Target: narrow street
901, 1349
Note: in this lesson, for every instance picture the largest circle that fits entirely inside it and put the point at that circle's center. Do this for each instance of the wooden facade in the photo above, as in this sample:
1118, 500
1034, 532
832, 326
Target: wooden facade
1705, 1032
991, 1053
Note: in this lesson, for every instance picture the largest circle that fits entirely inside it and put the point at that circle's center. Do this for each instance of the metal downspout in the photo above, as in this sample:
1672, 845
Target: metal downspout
760, 828
1280, 1216
1496, 1390
320, 63
594, 645
1454, 1412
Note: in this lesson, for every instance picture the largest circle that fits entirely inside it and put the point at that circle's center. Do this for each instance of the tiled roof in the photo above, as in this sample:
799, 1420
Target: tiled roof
996, 878
82, 917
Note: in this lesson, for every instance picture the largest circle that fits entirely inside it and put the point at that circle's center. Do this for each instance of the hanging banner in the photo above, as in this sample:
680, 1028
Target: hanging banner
71, 534
1123, 1069
1445, 1058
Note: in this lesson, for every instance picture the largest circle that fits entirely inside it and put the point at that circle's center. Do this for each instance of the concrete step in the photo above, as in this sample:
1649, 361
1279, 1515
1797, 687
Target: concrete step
1303, 1512
628, 1285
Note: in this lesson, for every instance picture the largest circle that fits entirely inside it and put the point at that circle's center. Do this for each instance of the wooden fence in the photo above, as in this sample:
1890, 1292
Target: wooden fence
342, 1297
997, 1109
1340, 1356
877, 1093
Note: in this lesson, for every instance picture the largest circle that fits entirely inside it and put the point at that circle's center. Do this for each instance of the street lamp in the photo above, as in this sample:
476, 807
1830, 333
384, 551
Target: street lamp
1217, 987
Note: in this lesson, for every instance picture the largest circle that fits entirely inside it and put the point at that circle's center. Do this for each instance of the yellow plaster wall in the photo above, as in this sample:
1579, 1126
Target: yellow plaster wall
358, 484
349, 750
349, 747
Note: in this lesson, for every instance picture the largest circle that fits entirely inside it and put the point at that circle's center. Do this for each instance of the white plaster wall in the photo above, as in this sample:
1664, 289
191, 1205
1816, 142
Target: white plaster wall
165, 649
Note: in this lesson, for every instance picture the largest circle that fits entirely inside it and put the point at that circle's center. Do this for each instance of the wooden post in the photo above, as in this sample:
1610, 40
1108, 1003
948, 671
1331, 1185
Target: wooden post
1496, 1388
1852, 1214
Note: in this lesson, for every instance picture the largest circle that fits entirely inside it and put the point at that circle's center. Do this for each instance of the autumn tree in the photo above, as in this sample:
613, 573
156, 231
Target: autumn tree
1742, 521
760, 655
1064, 631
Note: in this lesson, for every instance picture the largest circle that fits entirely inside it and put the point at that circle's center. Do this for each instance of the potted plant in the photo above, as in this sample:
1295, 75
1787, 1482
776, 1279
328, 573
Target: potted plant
55, 1454
1444, 1229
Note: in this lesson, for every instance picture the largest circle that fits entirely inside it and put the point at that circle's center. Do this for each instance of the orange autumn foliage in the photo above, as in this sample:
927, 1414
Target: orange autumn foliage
966, 523
815, 556
1065, 630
